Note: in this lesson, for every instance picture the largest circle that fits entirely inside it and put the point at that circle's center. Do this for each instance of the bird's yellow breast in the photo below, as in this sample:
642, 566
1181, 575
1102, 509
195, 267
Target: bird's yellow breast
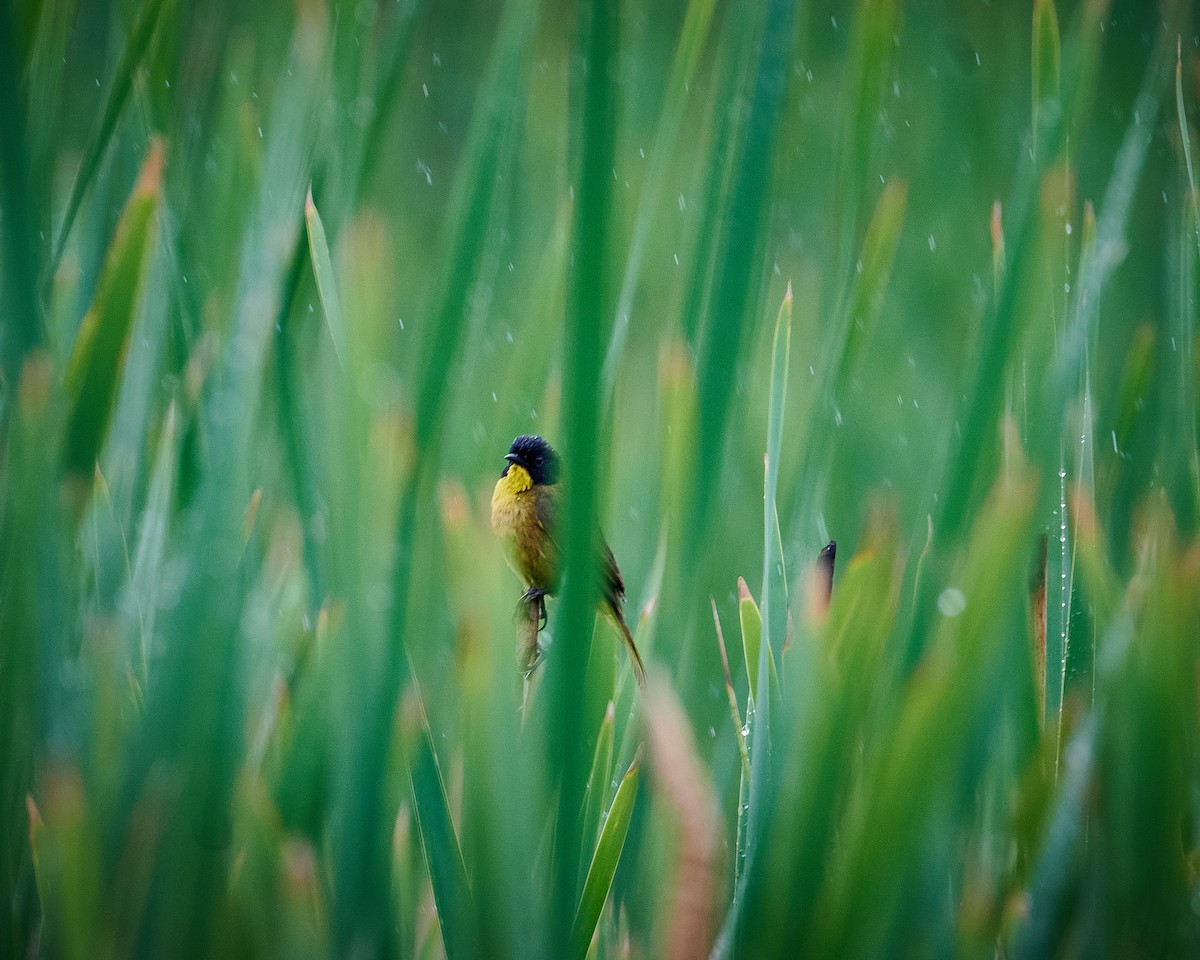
529, 547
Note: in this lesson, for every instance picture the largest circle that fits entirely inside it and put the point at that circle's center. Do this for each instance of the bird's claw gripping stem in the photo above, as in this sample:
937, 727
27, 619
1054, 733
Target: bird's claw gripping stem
535, 597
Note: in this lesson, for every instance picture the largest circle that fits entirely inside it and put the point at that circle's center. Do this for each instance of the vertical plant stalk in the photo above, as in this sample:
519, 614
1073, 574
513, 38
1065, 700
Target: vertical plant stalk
582, 352
737, 256
772, 582
1037, 630
692, 38
23, 319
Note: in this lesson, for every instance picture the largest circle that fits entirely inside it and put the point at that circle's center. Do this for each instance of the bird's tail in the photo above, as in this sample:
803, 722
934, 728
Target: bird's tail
639, 668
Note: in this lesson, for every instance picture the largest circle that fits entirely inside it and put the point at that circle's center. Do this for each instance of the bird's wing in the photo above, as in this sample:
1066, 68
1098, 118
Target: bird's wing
547, 513
546, 503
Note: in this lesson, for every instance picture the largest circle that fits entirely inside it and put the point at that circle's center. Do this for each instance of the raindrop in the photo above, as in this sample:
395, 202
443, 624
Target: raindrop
1068, 228
951, 602
423, 167
932, 243
425, 90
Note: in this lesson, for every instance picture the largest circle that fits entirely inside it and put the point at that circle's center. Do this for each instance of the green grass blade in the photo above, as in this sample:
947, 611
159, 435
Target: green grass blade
692, 38
932, 736
589, 309
774, 579
1112, 222
735, 715
750, 620
146, 576
732, 297
22, 258
136, 50
870, 61
604, 863
1047, 66
322, 266
866, 300
94, 370
597, 785
1185, 139
443, 855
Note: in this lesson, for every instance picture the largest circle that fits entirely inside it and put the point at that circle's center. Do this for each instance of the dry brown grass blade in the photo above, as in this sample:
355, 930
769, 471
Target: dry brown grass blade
684, 783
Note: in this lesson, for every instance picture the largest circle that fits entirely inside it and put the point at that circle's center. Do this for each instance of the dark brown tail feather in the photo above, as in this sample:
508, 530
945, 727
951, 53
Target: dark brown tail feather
639, 668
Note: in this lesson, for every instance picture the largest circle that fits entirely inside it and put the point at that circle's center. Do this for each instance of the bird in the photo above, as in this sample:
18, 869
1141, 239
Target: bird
525, 514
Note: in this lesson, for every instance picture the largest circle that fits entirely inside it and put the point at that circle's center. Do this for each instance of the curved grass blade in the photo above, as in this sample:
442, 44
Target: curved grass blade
135, 52
94, 370
604, 863
318, 249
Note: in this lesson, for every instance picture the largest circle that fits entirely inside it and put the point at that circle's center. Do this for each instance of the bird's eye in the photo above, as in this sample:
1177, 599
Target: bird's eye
541, 460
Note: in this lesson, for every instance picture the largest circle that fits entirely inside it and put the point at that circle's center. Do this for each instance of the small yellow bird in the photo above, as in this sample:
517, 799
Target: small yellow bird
525, 514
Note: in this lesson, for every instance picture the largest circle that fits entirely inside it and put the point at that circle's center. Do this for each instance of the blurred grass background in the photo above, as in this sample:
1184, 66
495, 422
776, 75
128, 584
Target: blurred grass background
280, 283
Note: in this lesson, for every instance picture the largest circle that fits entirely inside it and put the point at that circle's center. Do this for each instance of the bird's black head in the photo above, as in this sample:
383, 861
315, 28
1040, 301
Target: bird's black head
536, 456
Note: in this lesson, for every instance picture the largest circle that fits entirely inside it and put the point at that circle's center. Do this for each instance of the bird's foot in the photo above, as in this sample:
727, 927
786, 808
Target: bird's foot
535, 598
534, 660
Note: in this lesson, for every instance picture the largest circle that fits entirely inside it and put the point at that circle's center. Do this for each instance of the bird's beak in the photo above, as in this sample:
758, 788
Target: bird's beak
512, 457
